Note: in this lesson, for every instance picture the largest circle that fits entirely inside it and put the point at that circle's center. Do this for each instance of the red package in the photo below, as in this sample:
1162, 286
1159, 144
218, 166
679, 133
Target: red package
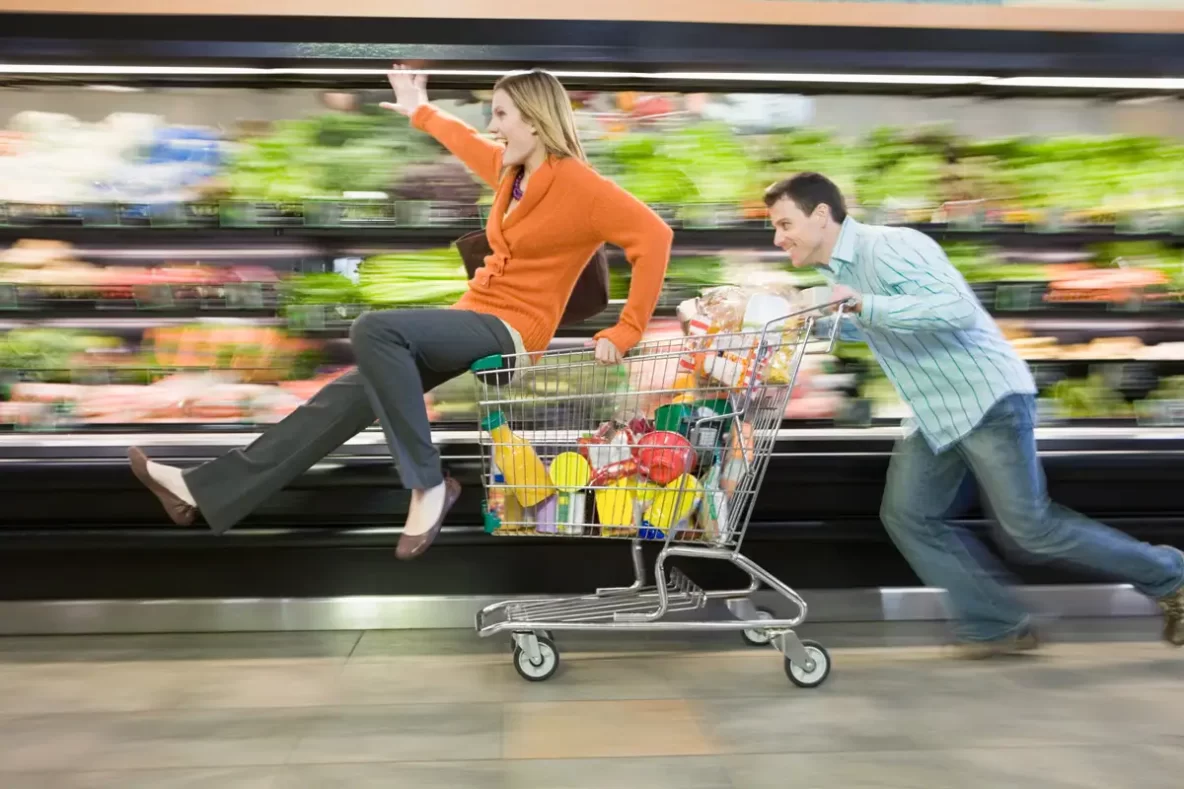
605, 475
613, 443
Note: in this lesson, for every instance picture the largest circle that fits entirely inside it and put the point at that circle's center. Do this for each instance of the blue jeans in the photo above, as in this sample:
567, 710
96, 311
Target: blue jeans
926, 490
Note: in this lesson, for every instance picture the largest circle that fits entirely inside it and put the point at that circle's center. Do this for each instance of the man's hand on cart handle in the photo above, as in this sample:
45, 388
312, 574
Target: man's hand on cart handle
607, 353
852, 301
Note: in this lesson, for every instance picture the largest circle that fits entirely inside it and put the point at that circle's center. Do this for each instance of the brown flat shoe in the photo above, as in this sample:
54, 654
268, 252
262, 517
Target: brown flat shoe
179, 511
412, 545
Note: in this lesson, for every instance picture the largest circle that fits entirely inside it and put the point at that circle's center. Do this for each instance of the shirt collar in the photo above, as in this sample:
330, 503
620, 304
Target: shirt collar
844, 251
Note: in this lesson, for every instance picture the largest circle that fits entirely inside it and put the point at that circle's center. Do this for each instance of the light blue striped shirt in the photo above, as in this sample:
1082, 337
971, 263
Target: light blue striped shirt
941, 350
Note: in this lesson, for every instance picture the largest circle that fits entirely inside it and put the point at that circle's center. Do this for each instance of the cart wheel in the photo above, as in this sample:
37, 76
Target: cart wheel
755, 637
544, 669
799, 676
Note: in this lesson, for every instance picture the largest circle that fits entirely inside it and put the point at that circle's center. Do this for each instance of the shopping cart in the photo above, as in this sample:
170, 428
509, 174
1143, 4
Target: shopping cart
670, 447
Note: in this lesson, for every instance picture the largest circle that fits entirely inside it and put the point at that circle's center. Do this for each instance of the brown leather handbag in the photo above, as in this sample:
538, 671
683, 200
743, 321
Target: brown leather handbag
588, 299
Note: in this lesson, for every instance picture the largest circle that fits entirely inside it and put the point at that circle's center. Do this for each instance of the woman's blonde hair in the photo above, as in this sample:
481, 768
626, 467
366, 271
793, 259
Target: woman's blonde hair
545, 105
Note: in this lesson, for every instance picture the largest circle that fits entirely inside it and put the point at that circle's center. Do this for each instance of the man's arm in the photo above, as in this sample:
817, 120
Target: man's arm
927, 292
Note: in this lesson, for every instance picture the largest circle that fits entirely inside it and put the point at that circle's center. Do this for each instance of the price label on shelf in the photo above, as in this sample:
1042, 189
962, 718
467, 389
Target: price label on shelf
156, 297
102, 215
283, 214
1131, 376
1147, 222
201, 214
244, 295
1048, 374
307, 317
9, 297
855, 412
671, 214
1100, 219
36, 213
368, 213
1019, 296
1160, 413
449, 214
1052, 221
135, 214
247, 214
3, 213
168, 215
418, 213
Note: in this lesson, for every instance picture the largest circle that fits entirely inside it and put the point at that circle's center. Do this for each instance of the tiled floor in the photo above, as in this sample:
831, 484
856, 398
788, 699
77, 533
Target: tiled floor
1102, 707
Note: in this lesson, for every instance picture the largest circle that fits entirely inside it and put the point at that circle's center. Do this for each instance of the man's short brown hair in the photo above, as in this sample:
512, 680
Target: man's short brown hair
808, 191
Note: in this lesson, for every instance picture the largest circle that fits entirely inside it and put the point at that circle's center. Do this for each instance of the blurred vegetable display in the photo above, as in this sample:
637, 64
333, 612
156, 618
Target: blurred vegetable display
1095, 176
325, 156
695, 163
701, 161
668, 149
320, 288
431, 277
125, 158
50, 355
901, 171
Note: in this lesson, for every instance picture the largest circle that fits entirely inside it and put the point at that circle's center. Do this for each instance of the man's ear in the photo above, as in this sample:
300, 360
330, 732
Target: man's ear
822, 211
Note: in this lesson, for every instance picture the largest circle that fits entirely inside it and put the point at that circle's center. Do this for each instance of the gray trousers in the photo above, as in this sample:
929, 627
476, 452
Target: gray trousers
400, 355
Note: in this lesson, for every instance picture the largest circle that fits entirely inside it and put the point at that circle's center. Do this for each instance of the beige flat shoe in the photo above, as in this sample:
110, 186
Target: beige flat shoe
179, 511
412, 545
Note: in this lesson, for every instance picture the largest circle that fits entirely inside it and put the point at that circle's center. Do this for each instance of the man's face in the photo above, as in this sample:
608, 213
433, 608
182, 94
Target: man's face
798, 234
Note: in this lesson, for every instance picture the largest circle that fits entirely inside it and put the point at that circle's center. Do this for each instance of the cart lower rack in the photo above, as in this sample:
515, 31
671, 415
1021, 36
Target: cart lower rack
671, 447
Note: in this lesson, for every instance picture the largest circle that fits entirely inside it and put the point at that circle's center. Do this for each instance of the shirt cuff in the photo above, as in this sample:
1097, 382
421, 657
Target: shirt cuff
621, 336
867, 308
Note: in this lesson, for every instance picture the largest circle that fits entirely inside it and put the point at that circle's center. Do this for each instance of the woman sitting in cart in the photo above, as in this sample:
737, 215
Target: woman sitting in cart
552, 211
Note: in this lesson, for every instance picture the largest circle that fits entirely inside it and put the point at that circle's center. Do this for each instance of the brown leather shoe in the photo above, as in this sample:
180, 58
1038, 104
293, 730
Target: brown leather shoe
412, 545
179, 511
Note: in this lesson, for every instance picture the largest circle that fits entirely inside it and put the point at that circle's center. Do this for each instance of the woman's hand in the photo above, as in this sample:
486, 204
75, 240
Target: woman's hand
411, 90
607, 353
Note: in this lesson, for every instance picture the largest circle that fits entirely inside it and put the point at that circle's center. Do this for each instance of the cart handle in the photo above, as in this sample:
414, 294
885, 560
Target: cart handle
808, 329
838, 307
496, 362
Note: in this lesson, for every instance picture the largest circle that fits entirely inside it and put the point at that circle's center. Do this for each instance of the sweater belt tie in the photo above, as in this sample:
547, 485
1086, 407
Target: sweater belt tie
495, 266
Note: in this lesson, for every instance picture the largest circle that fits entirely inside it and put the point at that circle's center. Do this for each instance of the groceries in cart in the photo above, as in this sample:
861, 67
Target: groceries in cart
676, 457
728, 325
524, 473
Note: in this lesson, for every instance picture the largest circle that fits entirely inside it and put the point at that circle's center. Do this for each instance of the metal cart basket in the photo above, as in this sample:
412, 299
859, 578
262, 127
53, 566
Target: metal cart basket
669, 447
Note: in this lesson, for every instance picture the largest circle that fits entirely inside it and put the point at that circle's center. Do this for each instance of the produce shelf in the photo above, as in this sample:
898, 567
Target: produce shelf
333, 320
718, 226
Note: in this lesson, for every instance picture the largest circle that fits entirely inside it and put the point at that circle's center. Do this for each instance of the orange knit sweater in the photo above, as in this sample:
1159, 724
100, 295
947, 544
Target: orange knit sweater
540, 249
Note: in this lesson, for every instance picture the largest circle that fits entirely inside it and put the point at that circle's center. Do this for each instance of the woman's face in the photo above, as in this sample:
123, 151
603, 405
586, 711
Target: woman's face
508, 126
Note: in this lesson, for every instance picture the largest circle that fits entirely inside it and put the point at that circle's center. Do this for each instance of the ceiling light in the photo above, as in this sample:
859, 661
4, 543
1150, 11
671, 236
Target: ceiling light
1090, 83
1086, 83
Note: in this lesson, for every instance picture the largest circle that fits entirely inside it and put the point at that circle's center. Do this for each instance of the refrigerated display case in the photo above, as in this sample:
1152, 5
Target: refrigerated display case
186, 235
